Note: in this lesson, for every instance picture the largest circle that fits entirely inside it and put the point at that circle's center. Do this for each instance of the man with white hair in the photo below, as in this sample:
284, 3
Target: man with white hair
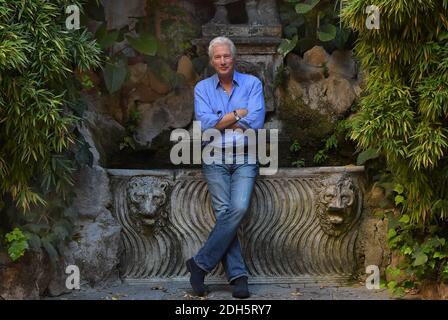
227, 100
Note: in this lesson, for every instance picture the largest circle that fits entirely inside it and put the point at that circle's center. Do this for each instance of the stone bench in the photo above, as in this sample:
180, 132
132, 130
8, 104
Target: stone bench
303, 224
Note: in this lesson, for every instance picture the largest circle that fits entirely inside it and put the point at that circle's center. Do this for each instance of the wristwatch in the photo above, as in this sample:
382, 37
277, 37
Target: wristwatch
237, 117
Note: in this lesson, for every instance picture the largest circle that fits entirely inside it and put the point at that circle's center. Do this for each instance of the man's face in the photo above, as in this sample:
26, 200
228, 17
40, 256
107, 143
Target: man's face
222, 60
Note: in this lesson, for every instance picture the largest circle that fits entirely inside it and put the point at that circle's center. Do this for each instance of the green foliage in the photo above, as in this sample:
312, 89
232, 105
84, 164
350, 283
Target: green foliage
131, 127
40, 108
37, 59
17, 243
312, 22
165, 71
424, 252
287, 45
106, 38
146, 43
305, 7
295, 149
295, 146
366, 155
86, 81
322, 155
50, 226
327, 33
403, 120
403, 114
331, 143
115, 74
317, 135
298, 163
176, 34
161, 51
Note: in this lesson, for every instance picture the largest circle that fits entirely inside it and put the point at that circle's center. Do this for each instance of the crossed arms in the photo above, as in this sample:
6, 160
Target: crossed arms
252, 117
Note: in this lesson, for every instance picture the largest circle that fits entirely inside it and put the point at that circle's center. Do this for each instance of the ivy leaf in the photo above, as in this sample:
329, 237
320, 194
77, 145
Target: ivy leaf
146, 43
290, 31
405, 218
366, 155
61, 232
327, 32
33, 240
303, 8
106, 38
391, 233
439, 255
37, 228
394, 272
391, 284
115, 75
442, 36
17, 249
407, 251
342, 36
399, 199
53, 254
17, 243
286, 46
162, 70
398, 188
420, 258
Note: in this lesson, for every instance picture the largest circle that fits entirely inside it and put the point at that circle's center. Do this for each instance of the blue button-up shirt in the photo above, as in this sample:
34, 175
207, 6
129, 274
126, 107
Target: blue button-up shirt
211, 103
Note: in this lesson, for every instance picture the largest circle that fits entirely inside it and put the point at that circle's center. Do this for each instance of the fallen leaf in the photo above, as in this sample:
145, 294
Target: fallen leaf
411, 291
157, 288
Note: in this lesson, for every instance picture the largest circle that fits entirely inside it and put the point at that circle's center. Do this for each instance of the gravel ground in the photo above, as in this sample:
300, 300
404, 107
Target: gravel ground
182, 291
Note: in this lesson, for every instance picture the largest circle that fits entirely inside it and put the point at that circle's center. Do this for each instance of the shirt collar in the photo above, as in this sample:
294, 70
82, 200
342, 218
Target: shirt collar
236, 79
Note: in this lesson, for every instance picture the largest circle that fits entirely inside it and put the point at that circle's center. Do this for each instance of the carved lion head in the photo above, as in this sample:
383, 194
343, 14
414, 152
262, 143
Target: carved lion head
146, 198
337, 204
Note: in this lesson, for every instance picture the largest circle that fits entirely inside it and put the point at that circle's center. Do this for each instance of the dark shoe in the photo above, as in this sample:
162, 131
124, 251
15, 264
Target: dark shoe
197, 276
240, 290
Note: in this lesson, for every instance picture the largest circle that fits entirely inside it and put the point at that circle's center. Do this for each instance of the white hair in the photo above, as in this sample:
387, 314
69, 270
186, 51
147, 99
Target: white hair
221, 41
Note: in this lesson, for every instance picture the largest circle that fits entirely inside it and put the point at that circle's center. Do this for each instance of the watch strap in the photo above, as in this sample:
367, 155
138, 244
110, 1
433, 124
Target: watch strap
237, 117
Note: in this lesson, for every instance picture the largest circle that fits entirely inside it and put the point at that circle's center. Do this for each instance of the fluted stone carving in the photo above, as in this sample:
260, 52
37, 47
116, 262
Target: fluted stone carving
302, 223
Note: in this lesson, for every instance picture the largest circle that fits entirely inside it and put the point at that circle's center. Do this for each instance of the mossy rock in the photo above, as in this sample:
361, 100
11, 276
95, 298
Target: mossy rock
310, 128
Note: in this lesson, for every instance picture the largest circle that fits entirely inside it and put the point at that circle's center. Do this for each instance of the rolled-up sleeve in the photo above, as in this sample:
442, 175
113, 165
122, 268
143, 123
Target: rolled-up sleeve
203, 110
255, 108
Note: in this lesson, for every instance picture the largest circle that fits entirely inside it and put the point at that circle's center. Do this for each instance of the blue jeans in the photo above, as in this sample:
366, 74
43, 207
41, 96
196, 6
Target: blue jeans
230, 187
